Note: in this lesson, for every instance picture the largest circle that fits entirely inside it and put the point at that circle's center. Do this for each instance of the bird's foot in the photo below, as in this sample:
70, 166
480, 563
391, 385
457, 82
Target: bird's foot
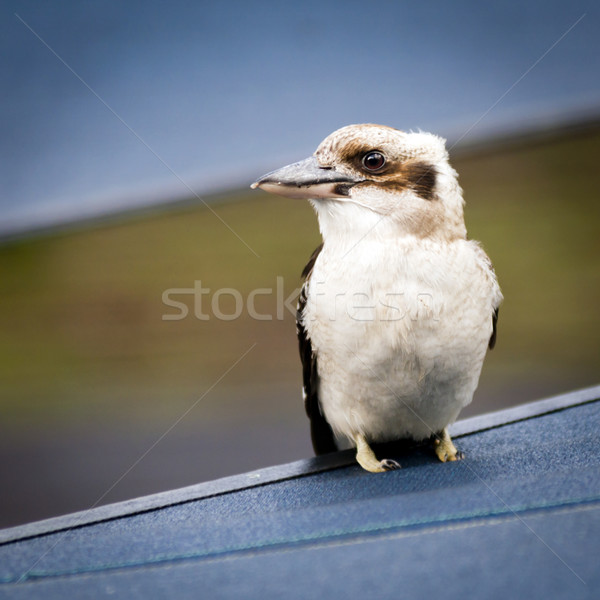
367, 460
389, 464
444, 448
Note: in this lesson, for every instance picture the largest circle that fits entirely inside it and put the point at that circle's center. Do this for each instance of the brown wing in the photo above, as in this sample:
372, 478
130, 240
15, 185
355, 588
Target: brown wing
323, 440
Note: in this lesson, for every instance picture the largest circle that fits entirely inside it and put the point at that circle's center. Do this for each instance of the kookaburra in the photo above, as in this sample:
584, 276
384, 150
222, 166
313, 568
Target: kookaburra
398, 307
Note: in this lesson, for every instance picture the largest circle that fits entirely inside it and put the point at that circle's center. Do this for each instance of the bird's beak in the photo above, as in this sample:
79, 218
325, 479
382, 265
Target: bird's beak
307, 179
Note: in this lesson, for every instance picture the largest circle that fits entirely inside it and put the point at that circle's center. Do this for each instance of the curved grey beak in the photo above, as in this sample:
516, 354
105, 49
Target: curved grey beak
306, 179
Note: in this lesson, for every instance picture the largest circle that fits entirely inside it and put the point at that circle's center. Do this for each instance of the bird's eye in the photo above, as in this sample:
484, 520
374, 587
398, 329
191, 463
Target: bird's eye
373, 161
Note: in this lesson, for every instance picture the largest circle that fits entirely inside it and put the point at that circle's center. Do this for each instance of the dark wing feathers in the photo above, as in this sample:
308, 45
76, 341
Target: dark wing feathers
307, 271
485, 259
322, 436
494, 328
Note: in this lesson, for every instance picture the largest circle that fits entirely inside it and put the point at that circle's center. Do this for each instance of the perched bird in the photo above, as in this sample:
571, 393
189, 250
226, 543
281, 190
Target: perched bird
398, 307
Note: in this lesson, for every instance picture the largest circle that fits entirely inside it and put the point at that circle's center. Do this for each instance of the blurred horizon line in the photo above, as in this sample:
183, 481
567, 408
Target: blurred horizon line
140, 202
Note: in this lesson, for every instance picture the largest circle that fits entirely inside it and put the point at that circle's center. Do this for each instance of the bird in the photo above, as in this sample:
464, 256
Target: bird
398, 307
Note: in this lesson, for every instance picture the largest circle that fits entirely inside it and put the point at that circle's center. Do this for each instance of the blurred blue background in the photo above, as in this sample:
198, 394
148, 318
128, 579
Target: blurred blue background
218, 92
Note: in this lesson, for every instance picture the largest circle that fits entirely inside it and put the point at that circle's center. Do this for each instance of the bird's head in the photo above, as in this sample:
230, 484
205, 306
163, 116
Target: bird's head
372, 178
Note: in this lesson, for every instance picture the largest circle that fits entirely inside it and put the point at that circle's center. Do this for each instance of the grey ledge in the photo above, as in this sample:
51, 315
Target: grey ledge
274, 474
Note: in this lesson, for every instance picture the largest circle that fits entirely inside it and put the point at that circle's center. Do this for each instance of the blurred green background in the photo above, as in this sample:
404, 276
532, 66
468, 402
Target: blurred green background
99, 392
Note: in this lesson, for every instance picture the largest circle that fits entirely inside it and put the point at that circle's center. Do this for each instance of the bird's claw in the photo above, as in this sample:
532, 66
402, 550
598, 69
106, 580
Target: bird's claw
446, 457
390, 465
367, 460
444, 448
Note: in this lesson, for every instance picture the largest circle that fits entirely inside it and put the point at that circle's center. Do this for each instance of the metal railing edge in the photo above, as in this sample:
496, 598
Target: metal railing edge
268, 475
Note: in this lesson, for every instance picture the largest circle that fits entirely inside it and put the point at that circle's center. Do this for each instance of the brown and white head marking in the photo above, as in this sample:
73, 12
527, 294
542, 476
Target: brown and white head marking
362, 175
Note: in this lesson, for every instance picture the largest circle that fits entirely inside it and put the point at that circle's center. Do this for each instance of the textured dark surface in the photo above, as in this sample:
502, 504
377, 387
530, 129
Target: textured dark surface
520, 516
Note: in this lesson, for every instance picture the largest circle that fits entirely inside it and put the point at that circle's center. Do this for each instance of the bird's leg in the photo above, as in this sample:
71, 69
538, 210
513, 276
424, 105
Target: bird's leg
444, 448
367, 460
